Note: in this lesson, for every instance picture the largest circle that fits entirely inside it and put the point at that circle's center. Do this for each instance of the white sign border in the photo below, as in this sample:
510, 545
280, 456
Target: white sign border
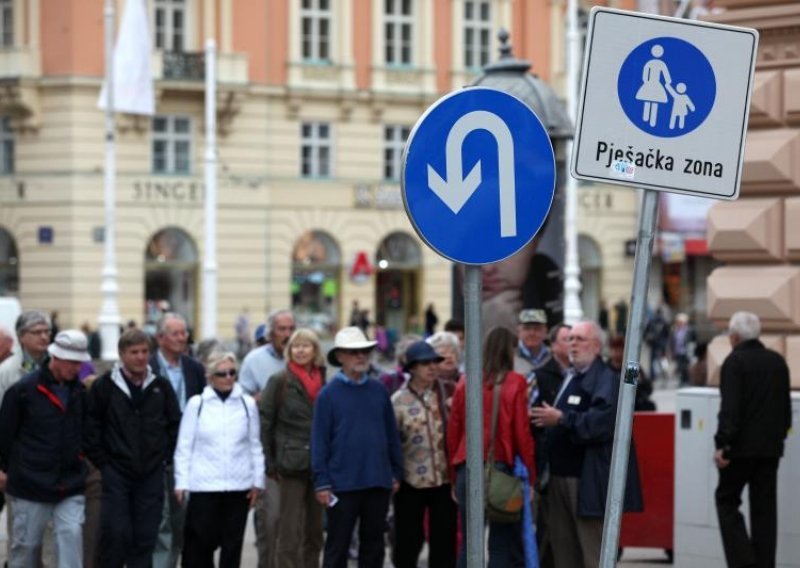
582, 101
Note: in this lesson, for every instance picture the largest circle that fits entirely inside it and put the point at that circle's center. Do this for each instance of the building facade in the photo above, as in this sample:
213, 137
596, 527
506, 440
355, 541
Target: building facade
315, 100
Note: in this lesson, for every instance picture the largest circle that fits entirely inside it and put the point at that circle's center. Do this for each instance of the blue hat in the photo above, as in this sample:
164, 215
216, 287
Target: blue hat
261, 332
420, 352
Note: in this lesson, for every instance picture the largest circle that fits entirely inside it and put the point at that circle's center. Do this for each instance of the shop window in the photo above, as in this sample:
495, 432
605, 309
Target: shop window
9, 264
591, 264
399, 263
316, 266
171, 268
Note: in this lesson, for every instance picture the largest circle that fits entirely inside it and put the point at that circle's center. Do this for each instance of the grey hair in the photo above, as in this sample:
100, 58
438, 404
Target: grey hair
216, 358
745, 325
161, 326
30, 318
446, 339
275, 314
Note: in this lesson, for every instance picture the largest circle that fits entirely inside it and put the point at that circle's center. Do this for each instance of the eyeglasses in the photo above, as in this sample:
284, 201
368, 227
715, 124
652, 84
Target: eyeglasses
228, 373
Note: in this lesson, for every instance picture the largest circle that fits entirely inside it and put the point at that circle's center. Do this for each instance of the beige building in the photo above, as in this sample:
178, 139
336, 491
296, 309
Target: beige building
757, 237
316, 98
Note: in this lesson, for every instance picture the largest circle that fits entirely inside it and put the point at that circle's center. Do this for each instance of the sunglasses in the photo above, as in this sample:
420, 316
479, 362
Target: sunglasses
364, 351
228, 373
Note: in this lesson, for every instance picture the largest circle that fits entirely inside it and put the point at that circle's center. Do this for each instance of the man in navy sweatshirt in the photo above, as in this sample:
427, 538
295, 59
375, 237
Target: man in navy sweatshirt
356, 457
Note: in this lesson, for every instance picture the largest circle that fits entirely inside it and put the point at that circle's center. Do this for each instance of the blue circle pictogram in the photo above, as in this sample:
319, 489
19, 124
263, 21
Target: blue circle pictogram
666, 87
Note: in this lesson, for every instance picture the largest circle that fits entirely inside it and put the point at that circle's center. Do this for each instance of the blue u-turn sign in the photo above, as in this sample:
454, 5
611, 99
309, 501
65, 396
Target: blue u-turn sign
478, 175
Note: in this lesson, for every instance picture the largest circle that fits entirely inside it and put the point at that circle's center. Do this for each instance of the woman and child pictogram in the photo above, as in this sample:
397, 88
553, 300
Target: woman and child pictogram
653, 92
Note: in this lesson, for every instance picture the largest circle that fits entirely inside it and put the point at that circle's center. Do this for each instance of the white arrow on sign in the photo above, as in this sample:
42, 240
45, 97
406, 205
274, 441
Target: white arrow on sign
457, 190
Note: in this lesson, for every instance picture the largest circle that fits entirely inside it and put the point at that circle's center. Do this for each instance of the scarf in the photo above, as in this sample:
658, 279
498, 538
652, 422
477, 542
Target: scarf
311, 381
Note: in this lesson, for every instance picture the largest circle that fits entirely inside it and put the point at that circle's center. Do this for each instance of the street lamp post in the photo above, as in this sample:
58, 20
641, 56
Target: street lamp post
573, 311
109, 318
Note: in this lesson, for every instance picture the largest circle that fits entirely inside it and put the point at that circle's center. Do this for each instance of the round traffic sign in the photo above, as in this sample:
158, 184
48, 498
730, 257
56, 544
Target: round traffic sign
478, 175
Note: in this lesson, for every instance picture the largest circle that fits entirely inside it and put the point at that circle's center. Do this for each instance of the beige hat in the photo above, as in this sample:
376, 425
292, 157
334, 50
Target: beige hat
70, 345
349, 338
533, 316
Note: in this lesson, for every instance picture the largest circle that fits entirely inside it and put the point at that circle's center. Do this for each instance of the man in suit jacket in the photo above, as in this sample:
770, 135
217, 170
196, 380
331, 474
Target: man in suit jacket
754, 417
187, 378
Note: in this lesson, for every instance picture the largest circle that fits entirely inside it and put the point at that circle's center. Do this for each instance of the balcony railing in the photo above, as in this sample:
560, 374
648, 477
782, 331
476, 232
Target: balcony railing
184, 66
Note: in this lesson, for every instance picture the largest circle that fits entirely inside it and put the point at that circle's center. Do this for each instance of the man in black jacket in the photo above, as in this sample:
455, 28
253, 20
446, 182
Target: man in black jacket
754, 418
187, 378
43, 471
132, 426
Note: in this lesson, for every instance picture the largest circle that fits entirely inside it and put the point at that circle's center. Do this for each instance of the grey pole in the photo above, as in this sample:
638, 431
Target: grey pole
210, 252
628, 379
472, 309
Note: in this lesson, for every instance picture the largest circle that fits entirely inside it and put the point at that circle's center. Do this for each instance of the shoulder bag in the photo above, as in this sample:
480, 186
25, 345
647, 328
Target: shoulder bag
504, 494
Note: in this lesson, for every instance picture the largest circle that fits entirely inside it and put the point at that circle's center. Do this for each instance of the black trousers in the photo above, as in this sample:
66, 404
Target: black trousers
131, 513
369, 508
214, 520
761, 477
410, 505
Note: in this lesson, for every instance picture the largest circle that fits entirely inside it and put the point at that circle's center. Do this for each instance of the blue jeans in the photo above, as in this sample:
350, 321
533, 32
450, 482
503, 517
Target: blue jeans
505, 539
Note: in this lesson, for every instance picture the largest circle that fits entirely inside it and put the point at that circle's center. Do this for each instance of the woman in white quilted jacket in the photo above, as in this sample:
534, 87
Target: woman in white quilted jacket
219, 466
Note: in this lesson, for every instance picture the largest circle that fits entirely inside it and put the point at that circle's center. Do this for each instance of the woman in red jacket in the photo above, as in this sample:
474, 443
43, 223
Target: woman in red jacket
512, 438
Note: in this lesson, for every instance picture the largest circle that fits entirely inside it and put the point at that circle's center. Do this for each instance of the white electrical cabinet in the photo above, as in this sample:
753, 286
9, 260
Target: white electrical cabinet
697, 539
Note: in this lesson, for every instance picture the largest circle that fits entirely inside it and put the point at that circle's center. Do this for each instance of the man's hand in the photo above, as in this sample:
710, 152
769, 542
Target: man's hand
253, 495
180, 496
3, 479
545, 416
719, 460
324, 497
395, 486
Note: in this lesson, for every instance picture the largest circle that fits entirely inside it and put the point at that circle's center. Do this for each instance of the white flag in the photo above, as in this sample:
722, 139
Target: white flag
133, 79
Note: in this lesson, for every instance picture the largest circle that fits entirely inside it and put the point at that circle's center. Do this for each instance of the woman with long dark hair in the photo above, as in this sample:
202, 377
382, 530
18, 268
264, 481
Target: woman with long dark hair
512, 438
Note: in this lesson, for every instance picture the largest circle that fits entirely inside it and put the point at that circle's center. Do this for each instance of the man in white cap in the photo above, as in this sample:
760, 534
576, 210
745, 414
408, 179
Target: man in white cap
356, 458
41, 417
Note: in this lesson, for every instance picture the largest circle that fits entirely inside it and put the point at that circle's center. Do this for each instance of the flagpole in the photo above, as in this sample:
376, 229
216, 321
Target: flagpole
210, 255
109, 319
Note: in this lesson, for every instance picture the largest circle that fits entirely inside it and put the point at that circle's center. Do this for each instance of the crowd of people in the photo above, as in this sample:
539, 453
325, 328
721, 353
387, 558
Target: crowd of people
162, 456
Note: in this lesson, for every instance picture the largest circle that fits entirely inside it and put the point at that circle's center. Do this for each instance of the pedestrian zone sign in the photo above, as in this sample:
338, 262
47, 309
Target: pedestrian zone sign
664, 103
478, 175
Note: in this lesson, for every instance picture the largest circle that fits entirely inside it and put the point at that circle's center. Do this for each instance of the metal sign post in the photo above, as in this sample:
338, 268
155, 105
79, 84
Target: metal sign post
628, 380
475, 497
478, 181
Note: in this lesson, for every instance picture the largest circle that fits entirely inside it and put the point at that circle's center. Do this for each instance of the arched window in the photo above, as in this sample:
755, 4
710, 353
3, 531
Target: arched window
591, 263
399, 262
9, 264
316, 265
171, 265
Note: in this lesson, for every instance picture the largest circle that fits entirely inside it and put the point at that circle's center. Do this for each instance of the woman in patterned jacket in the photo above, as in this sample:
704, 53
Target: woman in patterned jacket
419, 407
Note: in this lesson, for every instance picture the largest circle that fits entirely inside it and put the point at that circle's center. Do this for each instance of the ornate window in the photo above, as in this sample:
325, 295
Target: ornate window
399, 251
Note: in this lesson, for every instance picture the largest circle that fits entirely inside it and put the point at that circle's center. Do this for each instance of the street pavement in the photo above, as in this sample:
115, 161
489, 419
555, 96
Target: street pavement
631, 558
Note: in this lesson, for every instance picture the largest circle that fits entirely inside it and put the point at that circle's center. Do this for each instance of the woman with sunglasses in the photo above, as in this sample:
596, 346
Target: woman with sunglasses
219, 466
287, 408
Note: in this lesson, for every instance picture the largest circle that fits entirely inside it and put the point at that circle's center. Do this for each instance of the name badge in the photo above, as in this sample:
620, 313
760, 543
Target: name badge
574, 399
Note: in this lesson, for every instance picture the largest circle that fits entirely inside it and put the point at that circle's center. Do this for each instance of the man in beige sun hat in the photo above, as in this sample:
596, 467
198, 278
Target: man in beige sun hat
356, 459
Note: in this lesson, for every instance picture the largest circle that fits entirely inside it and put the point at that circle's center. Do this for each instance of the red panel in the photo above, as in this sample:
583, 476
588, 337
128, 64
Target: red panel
696, 247
654, 435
